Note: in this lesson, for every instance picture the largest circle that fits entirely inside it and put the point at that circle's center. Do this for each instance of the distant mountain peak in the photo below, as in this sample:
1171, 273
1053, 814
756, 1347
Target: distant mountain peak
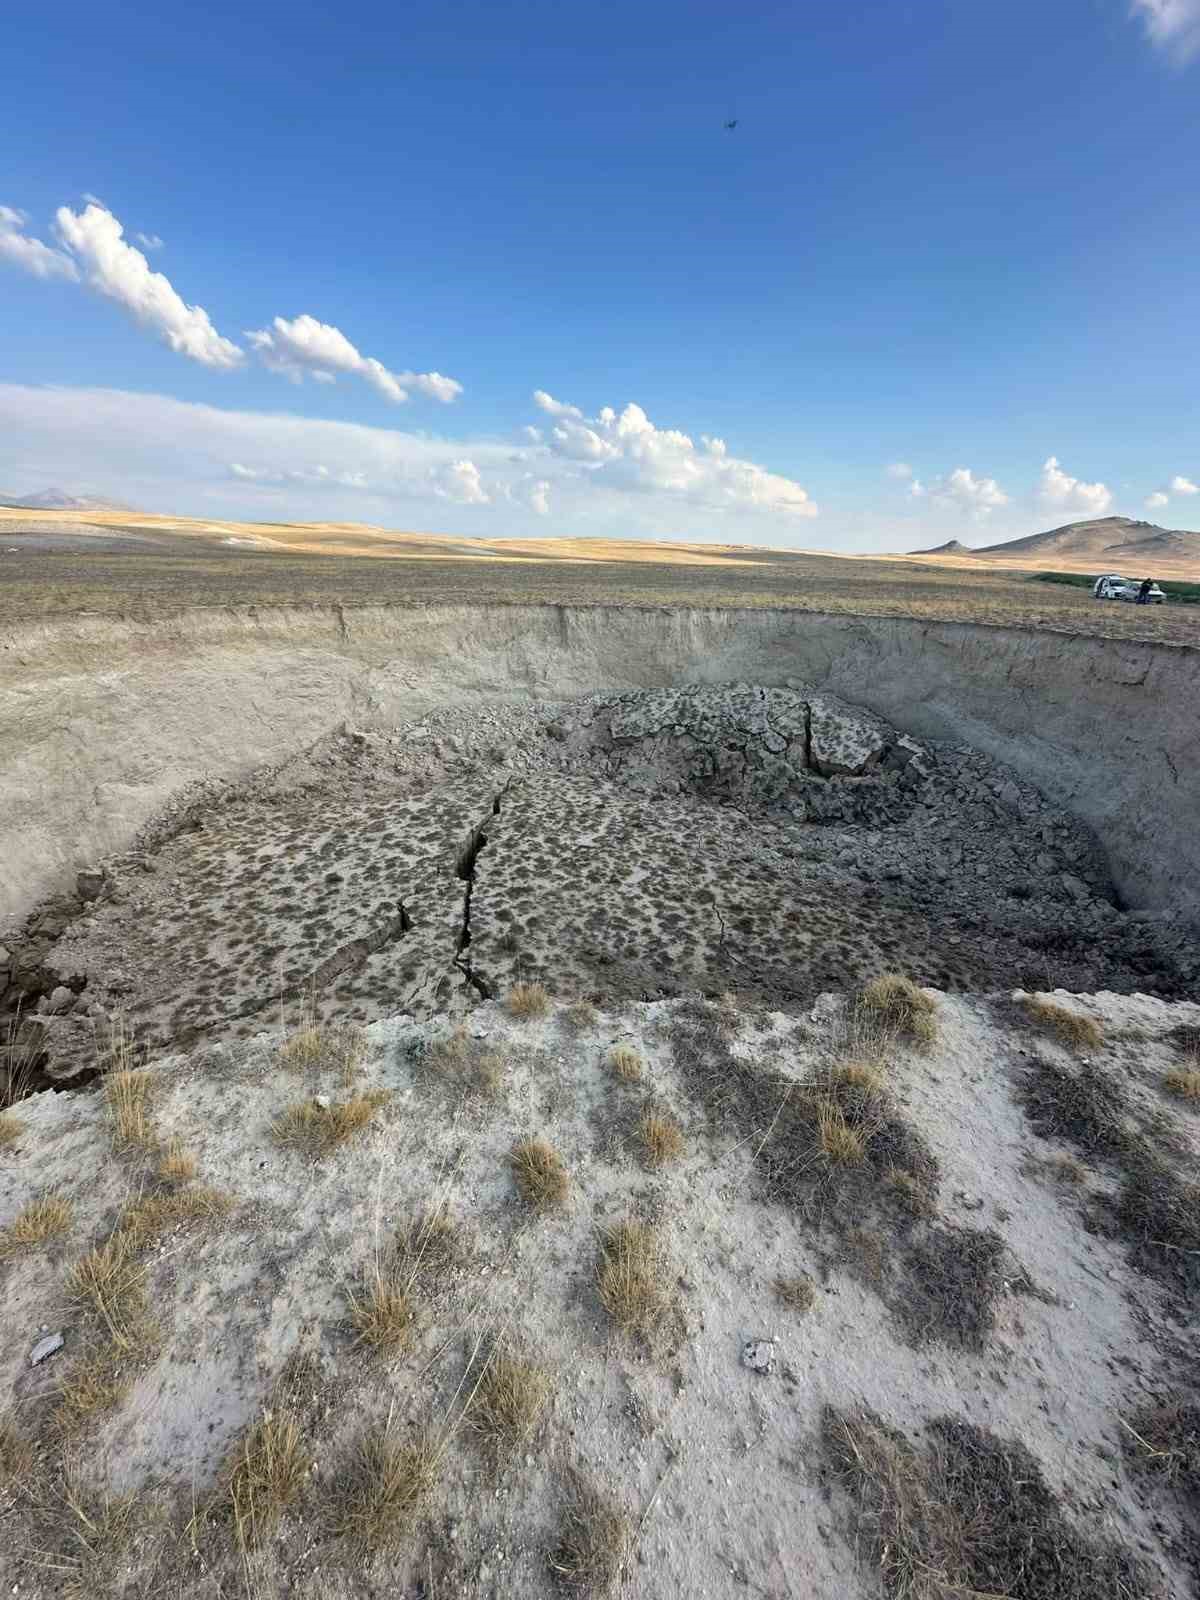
53, 499
952, 547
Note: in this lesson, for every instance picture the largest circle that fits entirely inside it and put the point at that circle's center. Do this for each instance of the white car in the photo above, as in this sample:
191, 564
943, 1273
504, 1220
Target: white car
1114, 587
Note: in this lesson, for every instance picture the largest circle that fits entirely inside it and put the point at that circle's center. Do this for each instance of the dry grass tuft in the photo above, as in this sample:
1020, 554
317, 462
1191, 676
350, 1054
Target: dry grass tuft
1183, 1082
16, 1457
1068, 1027
98, 1528
661, 1138
632, 1277
492, 1072
324, 1047
594, 1536
528, 1000
864, 1075
970, 1516
316, 1129
94, 1384
384, 1314
265, 1475
540, 1173
112, 1281
129, 1095
11, 1128
508, 1400
843, 1143
451, 1049
900, 1006
177, 1165
797, 1294
389, 1483
41, 1220
625, 1062
148, 1218
1168, 1441
430, 1245
911, 1194
581, 1015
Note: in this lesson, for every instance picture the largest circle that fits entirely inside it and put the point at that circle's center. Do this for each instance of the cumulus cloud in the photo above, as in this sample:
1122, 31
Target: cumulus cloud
1058, 488
899, 469
1155, 500
1172, 25
961, 491
1182, 485
459, 481
626, 451
305, 347
115, 269
149, 241
31, 255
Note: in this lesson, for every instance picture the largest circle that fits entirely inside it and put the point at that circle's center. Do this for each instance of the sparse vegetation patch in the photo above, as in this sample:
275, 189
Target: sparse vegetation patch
594, 1536
317, 1129
1072, 1028
528, 1001
632, 1276
389, 1482
901, 1007
540, 1173
970, 1515
44, 1219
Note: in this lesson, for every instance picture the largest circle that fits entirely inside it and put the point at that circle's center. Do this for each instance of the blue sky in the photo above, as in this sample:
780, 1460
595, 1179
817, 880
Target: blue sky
956, 238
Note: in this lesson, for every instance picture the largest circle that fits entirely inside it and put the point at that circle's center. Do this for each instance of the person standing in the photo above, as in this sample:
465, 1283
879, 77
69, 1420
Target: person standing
1143, 594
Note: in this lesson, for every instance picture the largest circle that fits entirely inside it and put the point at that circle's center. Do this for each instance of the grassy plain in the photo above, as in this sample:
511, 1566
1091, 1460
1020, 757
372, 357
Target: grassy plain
181, 565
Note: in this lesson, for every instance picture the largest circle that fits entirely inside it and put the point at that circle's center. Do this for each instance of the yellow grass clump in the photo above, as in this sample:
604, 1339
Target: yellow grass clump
632, 1277
1069, 1027
1184, 1082
46, 1218
898, 1005
389, 1482
625, 1062
527, 1001
661, 1137
540, 1173
317, 1129
265, 1475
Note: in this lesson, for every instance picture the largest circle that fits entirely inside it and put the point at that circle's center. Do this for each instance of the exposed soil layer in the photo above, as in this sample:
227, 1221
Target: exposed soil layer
776, 842
764, 840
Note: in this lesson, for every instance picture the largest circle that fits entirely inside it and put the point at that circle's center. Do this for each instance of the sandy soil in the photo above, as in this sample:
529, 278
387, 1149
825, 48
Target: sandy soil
719, 1471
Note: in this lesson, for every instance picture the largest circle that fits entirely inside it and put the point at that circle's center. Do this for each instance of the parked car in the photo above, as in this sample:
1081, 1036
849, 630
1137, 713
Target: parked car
1112, 586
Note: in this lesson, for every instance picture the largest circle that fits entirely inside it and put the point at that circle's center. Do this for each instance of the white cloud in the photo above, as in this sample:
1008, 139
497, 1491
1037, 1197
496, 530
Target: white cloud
961, 491
305, 347
1172, 25
1058, 488
319, 475
626, 451
459, 481
1153, 501
1182, 485
149, 241
121, 273
31, 255
899, 469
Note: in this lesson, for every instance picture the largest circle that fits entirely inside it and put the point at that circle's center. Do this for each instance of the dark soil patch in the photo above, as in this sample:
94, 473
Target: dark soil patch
1086, 1109
970, 1513
1157, 1211
953, 1279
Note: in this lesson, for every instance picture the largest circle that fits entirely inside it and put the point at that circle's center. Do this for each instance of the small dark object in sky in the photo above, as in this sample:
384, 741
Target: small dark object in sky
731, 125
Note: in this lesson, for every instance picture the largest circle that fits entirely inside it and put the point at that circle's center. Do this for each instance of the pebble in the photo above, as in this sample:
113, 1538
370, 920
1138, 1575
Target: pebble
759, 1355
45, 1348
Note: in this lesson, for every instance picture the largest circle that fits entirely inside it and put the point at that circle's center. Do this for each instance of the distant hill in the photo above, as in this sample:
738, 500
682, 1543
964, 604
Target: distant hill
952, 547
58, 500
1104, 542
